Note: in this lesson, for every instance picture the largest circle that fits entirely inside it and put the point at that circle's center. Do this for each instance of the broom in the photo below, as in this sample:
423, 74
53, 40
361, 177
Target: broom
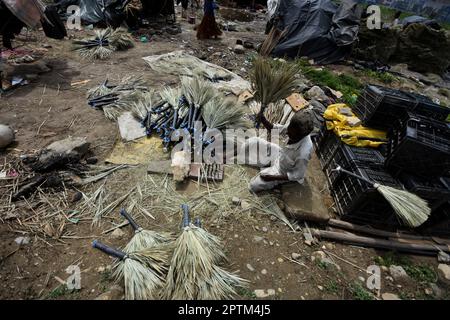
143, 239
410, 208
271, 83
143, 271
193, 272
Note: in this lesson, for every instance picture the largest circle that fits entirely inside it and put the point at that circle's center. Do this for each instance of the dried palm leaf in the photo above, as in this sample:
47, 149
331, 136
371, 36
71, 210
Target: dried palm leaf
220, 113
120, 39
271, 83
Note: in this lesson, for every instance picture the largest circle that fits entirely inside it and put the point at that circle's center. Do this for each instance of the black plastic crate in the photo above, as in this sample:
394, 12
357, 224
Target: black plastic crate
431, 189
419, 146
380, 107
347, 157
438, 224
359, 202
427, 108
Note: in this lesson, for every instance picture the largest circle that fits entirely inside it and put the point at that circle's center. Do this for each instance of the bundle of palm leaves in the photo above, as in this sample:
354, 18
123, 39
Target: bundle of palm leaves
143, 239
114, 100
143, 271
197, 92
194, 272
120, 39
103, 44
97, 47
272, 83
220, 113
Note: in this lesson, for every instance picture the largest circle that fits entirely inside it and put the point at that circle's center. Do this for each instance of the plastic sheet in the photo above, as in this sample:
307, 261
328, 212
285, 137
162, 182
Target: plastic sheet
317, 29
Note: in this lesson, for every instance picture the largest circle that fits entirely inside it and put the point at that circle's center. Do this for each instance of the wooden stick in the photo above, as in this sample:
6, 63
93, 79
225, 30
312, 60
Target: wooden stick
425, 249
375, 232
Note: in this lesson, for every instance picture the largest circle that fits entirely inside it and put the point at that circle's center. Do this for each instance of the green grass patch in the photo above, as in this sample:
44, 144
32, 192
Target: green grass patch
384, 77
332, 287
360, 293
420, 273
348, 85
61, 291
246, 293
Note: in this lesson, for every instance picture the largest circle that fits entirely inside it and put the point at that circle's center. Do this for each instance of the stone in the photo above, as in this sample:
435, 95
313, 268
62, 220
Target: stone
443, 257
438, 292
258, 238
264, 229
362, 279
117, 234
260, 293
239, 49
444, 273
280, 260
318, 255
250, 267
384, 269
389, 278
248, 45
389, 296
264, 271
101, 269
398, 273
92, 160
116, 292
428, 291
329, 246
296, 256
317, 93
320, 288
6, 136
22, 240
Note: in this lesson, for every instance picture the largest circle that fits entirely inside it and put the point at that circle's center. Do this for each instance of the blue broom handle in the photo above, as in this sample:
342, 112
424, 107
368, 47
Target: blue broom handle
197, 222
108, 250
133, 223
186, 218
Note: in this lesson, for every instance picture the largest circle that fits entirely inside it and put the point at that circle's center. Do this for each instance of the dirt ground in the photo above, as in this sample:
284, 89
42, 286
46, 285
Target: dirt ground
259, 247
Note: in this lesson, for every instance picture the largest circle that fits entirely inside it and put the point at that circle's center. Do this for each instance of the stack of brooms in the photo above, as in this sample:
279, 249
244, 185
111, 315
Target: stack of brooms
192, 272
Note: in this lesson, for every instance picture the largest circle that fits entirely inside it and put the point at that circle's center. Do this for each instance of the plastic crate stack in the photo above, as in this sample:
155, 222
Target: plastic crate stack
356, 201
418, 150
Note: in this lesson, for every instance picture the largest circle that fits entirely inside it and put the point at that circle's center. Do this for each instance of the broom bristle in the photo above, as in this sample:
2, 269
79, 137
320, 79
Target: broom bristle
410, 208
221, 112
271, 83
143, 272
221, 285
146, 239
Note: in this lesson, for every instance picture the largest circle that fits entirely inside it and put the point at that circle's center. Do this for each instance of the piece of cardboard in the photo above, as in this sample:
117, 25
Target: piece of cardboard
245, 96
297, 102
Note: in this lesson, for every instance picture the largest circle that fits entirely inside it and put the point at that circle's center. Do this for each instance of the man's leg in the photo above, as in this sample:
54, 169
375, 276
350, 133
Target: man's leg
257, 184
252, 148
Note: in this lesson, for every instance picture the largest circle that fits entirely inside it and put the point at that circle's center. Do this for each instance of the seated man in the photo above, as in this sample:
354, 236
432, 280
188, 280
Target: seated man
293, 158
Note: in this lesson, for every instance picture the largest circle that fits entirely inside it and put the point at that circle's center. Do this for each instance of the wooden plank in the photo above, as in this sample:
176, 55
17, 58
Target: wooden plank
297, 102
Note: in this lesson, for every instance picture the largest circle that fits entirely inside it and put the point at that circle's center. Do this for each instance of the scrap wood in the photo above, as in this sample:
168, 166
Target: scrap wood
424, 249
123, 224
77, 83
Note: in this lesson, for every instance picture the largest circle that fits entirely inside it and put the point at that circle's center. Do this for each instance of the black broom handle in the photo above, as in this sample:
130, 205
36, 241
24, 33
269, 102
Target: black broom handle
133, 223
339, 168
186, 218
108, 250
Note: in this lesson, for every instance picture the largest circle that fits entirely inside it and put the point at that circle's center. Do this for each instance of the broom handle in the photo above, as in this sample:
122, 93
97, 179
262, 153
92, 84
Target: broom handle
186, 218
339, 168
133, 223
108, 250
197, 222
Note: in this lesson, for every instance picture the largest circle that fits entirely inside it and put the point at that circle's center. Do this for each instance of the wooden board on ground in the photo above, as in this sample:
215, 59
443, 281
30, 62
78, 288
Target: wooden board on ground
297, 102
244, 96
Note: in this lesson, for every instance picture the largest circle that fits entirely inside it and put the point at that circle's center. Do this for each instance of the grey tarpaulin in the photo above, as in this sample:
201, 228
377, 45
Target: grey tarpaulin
318, 29
94, 11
